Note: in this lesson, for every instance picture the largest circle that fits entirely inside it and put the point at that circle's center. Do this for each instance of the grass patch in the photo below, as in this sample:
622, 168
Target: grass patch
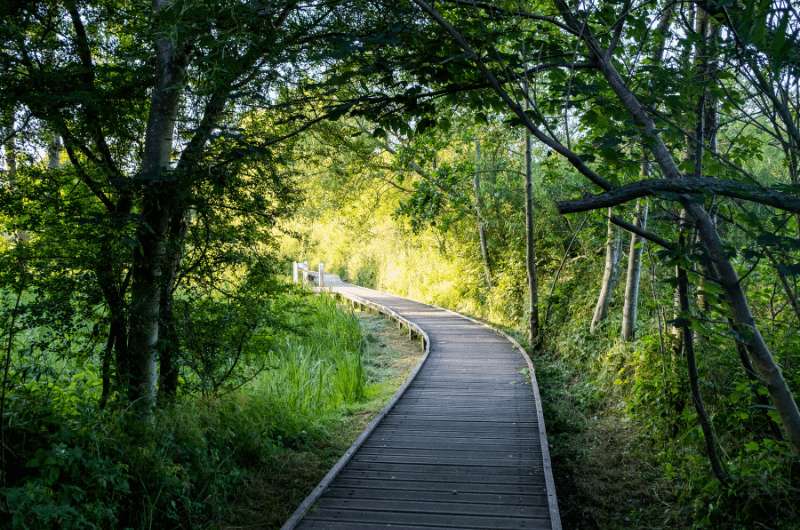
272, 491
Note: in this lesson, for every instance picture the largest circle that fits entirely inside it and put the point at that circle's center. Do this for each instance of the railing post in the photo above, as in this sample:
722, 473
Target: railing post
321, 280
295, 277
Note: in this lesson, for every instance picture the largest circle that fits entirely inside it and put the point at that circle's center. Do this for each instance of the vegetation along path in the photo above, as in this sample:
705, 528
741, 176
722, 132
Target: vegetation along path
462, 445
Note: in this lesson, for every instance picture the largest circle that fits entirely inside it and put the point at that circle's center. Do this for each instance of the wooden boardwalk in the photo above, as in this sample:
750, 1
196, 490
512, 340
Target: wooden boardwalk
461, 445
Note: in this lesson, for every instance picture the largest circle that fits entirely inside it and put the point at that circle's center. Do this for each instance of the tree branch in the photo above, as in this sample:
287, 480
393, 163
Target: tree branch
644, 234
87, 76
492, 9
686, 185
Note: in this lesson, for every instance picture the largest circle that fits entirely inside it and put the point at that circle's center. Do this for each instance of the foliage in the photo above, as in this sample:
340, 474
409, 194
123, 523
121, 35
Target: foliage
628, 451
76, 466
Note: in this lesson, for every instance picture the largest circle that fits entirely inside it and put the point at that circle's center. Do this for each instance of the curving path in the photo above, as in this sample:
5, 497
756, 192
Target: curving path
462, 444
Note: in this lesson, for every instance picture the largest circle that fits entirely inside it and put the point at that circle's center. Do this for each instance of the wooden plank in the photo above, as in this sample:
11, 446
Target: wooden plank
467, 406
449, 506
385, 432
464, 406
508, 499
448, 444
444, 399
442, 475
313, 524
450, 452
447, 419
467, 414
423, 488
453, 459
450, 441
445, 520
448, 469
463, 426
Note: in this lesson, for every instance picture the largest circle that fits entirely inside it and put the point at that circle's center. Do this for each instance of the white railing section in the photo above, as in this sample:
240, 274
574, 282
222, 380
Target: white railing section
302, 274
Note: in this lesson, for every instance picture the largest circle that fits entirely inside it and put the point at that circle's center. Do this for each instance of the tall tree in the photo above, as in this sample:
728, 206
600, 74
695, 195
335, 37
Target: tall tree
613, 250
479, 216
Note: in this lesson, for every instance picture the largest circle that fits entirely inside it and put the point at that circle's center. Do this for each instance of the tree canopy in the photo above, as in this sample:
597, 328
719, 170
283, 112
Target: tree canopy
163, 162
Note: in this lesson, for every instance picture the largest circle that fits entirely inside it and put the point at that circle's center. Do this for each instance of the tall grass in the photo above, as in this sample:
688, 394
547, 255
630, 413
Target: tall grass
77, 466
319, 369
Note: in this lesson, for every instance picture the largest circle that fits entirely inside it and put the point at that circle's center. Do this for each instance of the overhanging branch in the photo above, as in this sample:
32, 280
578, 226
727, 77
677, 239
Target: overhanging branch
686, 185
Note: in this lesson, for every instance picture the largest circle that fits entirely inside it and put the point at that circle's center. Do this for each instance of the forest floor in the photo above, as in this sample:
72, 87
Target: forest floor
273, 494
605, 471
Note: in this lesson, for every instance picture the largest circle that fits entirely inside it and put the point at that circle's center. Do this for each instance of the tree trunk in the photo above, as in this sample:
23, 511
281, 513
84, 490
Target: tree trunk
500, 234
117, 344
158, 202
54, 153
630, 306
610, 275
169, 346
697, 398
145, 300
108, 353
745, 327
476, 186
534, 337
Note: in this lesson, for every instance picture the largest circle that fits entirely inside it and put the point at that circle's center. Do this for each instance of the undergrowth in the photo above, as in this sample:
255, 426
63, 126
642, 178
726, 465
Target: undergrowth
71, 464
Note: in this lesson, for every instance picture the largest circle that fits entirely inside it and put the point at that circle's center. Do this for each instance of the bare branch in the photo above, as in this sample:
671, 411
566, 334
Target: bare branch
644, 234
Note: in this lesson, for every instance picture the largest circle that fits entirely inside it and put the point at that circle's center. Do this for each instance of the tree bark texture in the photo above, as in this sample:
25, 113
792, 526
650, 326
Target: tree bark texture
169, 346
632, 280
610, 275
530, 248
159, 199
54, 153
476, 186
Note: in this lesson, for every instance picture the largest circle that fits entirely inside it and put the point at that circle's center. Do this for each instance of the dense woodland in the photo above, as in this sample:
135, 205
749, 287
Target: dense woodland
616, 182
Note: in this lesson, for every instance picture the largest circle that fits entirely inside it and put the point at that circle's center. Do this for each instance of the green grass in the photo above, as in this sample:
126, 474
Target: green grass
319, 371
243, 459
273, 491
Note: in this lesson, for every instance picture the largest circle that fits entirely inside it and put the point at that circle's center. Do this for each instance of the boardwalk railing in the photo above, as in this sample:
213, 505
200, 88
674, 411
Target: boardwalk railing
302, 274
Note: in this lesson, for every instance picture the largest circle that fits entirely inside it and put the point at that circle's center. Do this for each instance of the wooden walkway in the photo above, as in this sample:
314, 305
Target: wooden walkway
461, 445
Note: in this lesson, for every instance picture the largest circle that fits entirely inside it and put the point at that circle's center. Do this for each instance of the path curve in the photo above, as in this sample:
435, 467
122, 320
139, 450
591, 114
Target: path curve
461, 444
